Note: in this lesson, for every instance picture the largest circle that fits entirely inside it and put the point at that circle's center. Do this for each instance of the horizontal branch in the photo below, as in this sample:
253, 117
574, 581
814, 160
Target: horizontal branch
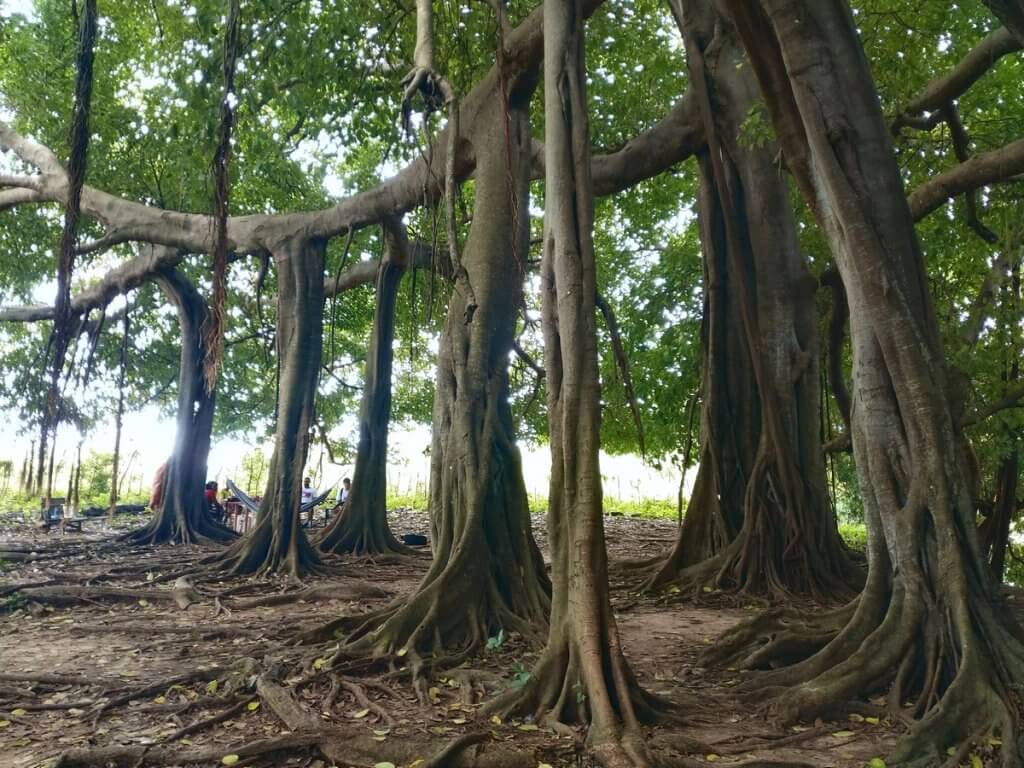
1011, 399
984, 168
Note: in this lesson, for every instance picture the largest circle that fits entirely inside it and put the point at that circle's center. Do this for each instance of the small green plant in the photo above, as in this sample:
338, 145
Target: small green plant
494, 643
520, 676
756, 130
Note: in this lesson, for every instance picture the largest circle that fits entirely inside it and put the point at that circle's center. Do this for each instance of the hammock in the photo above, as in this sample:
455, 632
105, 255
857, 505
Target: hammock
251, 504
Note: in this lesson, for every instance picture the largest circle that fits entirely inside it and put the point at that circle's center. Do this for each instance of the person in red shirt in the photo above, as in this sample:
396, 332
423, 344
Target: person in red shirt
216, 509
156, 495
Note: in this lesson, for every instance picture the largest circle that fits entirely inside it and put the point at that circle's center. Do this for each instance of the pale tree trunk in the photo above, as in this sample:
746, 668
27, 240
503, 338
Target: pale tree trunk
487, 575
278, 542
930, 620
759, 521
183, 516
361, 527
119, 414
582, 675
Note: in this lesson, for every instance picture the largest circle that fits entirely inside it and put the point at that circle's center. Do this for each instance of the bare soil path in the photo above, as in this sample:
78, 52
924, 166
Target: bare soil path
108, 657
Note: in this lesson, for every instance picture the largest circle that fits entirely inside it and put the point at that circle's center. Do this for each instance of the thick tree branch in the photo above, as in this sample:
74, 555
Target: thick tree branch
422, 180
1011, 13
120, 280
19, 196
954, 83
671, 140
985, 168
365, 272
1011, 399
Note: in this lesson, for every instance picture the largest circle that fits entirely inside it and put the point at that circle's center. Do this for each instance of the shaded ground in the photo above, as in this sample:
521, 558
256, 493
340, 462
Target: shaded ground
141, 672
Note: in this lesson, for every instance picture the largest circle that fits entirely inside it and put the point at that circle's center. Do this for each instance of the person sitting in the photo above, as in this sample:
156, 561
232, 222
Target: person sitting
344, 493
216, 508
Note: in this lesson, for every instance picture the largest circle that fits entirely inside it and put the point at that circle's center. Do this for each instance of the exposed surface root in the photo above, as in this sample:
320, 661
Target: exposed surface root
777, 637
158, 687
270, 547
457, 607
349, 590
211, 721
180, 531
70, 595
956, 678
730, 571
135, 757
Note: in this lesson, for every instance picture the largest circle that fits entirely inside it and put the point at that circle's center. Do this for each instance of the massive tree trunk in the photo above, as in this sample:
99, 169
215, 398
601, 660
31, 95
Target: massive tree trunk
278, 541
582, 675
183, 516
930, 620
487, 574
362, 525
760, 521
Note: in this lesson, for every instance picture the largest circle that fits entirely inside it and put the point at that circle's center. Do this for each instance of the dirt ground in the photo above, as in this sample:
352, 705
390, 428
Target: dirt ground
131, 678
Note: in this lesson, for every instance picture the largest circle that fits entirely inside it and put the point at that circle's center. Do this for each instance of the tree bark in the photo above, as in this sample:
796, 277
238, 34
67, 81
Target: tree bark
361, 527
995, 529
930, 619
487, 574
759, 521
582, 675
183, 516
278, 542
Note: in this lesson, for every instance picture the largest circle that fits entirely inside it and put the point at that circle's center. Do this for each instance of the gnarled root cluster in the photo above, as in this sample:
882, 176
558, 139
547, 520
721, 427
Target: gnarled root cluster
951, 667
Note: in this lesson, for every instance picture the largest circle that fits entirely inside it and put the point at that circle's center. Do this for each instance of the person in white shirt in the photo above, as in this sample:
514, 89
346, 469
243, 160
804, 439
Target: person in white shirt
308, 494
344, 491
308, 491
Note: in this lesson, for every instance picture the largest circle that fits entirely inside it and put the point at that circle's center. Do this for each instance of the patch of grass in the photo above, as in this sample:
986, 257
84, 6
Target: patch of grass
854, 534
649, 508
418, 500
